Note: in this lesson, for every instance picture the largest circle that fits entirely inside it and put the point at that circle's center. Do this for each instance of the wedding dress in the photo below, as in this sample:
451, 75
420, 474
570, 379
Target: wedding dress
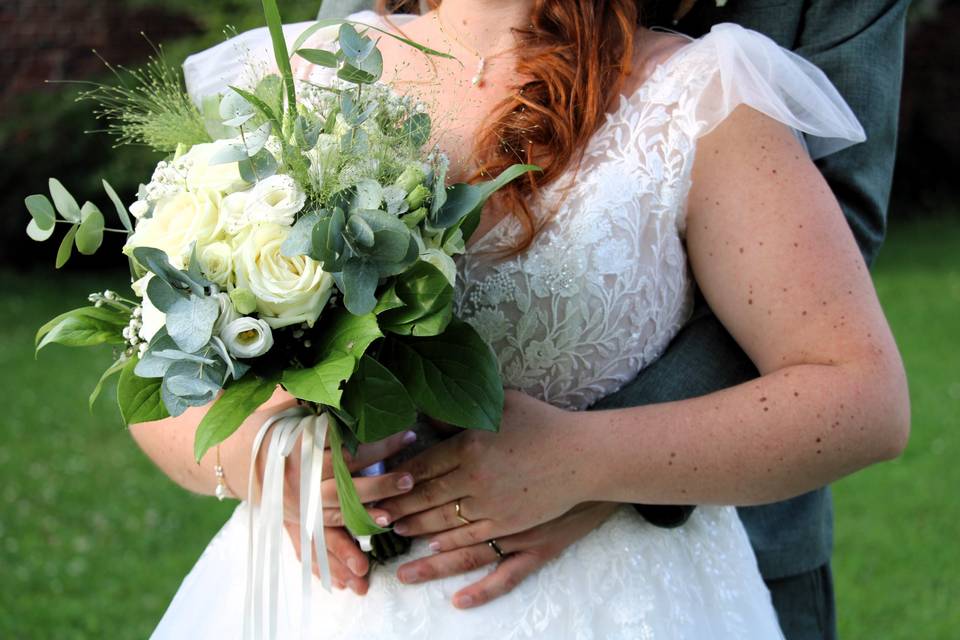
598, 296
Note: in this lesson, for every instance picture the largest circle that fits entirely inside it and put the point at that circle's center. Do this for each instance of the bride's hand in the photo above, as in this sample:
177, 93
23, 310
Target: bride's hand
524, 554
505, 482
348, 564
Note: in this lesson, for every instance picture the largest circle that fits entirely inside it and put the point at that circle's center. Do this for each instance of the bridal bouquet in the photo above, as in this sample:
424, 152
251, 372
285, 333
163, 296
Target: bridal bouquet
296, 235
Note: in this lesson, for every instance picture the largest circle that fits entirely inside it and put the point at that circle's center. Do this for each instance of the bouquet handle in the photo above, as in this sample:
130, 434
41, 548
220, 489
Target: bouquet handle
266, 520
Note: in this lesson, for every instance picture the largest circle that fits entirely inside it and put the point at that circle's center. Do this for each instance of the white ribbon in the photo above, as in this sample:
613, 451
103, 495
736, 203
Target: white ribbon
266, 521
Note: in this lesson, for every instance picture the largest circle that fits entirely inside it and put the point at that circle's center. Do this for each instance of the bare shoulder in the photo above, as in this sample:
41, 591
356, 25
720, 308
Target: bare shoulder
651, 49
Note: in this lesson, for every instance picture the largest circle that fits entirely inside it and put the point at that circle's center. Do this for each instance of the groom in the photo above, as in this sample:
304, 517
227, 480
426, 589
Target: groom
860, 47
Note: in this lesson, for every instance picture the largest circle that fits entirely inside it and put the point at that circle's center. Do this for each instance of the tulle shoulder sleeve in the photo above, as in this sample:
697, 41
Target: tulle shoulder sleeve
736, 66
246, 57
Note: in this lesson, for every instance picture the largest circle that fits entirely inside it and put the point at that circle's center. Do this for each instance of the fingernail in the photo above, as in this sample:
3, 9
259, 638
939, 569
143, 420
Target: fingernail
354, 565
355, 585
464, 601
434, 546
409, 437
408, 574
382, 521
405, 483
401, 529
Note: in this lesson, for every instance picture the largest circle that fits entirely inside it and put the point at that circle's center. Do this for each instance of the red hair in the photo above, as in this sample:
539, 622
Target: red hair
573, 57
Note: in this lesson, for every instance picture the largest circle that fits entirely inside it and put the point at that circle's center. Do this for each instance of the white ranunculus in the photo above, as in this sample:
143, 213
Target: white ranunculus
203, 176
276, 199
288, 290
228, 314
231, 212
152, 319
216, 262
177, 223
247, 337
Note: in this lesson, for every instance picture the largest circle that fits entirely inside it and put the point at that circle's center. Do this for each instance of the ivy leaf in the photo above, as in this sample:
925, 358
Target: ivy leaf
321, 383
378, 401
355, 516
237, 402
139, 398
453, 377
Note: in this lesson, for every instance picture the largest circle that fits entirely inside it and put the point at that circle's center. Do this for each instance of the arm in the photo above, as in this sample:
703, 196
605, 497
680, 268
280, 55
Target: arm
780, 268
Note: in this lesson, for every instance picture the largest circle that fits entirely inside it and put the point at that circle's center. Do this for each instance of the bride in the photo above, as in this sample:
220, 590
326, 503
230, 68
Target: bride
665, 160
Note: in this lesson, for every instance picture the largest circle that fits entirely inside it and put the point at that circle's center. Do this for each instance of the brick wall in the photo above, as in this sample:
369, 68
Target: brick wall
52, 39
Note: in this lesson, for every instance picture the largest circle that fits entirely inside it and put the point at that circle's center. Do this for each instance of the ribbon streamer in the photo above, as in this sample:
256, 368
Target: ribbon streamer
266, 531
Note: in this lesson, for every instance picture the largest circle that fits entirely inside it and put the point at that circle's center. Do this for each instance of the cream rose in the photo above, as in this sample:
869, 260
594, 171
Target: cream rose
231, 212
216, 262
288, 290
227, 314
203, 176
276, 199
177, 223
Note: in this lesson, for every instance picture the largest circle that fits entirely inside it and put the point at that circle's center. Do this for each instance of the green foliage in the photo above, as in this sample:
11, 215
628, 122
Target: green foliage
378, 402
323, 382
84, 327
452, 377
139, 398
238, 401
355, 516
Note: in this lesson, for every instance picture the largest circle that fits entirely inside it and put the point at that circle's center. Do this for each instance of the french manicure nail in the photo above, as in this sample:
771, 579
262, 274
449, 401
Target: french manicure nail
434, 546
382, 521
401, 529
408, 574
409, 437
405, 483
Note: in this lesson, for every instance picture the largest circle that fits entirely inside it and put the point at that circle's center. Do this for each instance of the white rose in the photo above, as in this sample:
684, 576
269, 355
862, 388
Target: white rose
152, 319
216, 262
139, 209
203, 176
177, 223
276, 199
247, 337
288, 290
231, 212
228, 314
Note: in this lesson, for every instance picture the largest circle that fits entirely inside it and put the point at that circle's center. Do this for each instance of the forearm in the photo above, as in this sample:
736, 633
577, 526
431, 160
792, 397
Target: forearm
770, 439
169, 443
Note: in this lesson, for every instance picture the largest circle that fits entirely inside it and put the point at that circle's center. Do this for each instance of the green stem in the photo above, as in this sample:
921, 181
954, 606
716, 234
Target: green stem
123, 231
272, 14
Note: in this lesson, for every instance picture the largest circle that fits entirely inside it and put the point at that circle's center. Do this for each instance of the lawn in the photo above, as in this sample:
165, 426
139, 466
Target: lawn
94, 540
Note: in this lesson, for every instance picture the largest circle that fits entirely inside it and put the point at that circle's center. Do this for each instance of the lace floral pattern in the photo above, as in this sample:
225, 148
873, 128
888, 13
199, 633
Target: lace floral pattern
605, 286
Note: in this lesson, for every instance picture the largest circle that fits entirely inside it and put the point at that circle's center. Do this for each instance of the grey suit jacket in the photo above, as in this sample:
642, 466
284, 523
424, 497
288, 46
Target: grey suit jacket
860, 47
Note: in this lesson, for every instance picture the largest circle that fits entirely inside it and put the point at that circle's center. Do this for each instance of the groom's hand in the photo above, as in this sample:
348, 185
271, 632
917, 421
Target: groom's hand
524, 553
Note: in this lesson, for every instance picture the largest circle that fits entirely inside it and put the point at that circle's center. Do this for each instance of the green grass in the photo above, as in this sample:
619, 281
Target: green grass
897, 558
94, 540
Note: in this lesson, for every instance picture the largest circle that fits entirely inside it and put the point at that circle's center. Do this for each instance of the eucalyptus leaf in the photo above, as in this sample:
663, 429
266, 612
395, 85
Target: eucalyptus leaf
417, 129
453, 377
233, 106
259, 167
320, 24
34, 232
360, 279
122, 212
235, 405
368, 194
299, 240
156, 262
90, 232
190, 321
228, 152
255, 140
318, 57
378, 401
261, 105
41, 210
66, 204
356, 48
151, 364
139, 398
327, 241
360, 232
66, 246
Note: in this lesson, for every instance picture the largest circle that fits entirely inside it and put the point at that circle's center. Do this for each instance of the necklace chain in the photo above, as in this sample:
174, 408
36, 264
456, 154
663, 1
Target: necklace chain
477, 79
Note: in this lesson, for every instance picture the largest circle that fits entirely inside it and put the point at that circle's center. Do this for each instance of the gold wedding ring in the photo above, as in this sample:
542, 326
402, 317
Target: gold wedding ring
493, 545
456, 506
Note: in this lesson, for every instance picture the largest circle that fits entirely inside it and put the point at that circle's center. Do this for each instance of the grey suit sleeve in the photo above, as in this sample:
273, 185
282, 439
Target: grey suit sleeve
859, 45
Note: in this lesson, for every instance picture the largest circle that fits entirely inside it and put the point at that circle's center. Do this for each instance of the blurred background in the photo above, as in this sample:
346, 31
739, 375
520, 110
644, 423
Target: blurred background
94, 540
